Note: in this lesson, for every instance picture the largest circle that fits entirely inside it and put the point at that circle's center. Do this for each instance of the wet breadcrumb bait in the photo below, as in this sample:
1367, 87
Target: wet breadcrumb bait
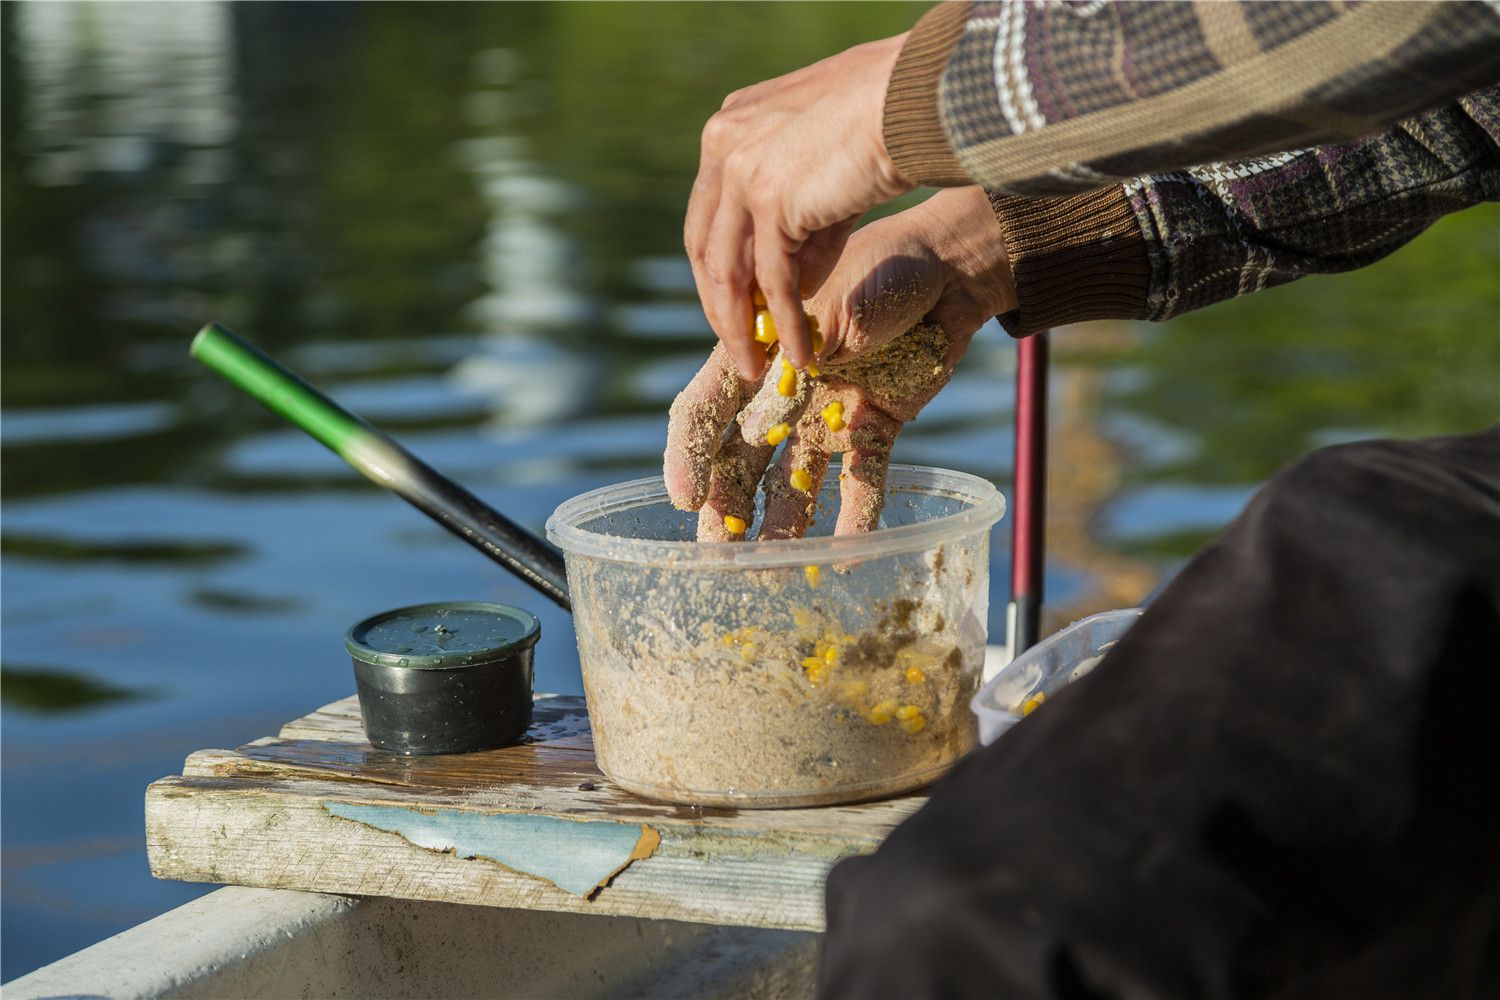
818, 665
734, 525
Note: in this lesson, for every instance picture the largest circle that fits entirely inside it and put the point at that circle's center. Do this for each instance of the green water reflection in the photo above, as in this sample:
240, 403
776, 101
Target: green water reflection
50, 689
464, 221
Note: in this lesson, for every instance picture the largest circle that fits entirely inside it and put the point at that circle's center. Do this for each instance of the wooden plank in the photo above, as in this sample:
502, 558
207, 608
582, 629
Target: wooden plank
260, 815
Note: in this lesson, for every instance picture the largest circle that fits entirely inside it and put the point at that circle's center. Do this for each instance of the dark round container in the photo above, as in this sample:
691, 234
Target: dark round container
449, 677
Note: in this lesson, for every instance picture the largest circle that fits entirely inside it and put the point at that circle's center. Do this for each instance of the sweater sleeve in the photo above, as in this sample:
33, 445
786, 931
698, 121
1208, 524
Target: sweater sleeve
1056, 98
1164, 244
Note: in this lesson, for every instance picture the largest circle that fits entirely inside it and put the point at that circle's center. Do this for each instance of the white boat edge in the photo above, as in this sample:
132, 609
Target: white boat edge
242, 942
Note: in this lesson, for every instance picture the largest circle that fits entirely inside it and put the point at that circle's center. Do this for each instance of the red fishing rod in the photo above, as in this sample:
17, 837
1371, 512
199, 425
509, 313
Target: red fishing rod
1029, 509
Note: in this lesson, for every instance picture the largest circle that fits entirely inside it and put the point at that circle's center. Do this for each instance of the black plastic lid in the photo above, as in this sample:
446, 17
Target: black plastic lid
442, 635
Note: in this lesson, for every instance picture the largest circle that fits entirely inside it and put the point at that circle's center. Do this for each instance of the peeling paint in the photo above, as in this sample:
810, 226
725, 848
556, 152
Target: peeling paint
577, 856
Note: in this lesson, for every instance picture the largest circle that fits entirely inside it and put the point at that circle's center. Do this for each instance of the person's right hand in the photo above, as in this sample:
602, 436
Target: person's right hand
787, 168
942, 262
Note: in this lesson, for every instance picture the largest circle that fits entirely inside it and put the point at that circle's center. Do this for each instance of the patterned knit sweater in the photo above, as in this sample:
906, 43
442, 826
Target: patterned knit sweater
1147, 159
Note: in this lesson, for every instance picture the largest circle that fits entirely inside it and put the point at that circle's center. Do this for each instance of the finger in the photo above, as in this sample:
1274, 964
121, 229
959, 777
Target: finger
862, 480
737, 469
776, 273
724, 287
769, 407
695, 429
791, 499
703, 205
819, 255
879, 302
703, 208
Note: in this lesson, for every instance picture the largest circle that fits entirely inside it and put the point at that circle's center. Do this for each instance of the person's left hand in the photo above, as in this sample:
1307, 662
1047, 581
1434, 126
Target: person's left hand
899, 310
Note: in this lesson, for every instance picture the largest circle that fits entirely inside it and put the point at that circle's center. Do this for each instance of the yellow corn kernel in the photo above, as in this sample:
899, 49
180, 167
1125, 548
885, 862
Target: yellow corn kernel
765, 328
748, 650
812, 663
913, 725
833, 416
813, 371
883, 712
908, 712
801, 617
778, 434
801, 480
758, 297
814, 576
787, 383
1030, 704
916, 675
831, 655
734, 525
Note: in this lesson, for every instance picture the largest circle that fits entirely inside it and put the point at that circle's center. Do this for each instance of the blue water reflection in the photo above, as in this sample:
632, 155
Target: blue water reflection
468, 228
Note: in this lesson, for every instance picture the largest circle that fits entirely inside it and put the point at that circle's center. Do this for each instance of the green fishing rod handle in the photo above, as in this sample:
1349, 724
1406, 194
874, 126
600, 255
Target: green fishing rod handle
265, 379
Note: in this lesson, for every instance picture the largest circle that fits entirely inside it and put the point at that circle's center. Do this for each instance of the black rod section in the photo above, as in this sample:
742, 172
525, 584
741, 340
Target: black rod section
380, 459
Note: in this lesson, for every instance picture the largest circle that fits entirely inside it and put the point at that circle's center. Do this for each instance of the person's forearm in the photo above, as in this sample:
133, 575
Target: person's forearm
1045, 99
1159, 246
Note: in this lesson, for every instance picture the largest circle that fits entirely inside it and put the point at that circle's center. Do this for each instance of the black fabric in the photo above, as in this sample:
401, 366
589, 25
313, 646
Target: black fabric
1285, 780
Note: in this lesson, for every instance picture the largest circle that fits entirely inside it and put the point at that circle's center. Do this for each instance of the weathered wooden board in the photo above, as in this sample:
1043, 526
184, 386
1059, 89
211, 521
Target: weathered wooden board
318, 808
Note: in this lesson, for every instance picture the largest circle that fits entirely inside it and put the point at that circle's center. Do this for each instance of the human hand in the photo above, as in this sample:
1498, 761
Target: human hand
787, 168
898, 313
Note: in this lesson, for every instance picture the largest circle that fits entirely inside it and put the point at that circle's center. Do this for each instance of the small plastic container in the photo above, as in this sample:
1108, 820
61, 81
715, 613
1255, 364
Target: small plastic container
1047, 668
781, 673
450, 677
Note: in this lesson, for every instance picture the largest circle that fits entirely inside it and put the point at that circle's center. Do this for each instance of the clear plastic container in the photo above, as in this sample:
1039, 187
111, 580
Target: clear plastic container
731, 674
1047, 668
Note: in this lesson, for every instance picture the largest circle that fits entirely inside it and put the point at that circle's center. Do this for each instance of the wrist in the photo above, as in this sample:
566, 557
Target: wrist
965, 235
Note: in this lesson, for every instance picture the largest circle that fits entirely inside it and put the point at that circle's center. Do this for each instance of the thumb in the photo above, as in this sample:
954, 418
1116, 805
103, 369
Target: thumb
819, 255
877, 292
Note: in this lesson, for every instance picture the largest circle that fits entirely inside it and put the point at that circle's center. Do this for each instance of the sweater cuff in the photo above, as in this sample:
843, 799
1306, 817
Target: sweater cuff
913, 127
1076, 258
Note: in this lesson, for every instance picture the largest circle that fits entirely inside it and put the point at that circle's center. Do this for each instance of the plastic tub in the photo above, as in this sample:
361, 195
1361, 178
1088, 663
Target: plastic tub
1047, 668
707, 666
